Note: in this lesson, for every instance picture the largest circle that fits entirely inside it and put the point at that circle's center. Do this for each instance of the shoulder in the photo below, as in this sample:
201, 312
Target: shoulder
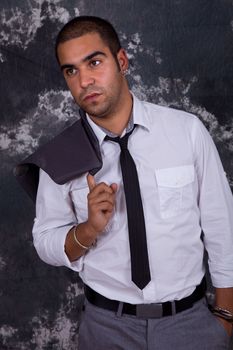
170, 118
168, 113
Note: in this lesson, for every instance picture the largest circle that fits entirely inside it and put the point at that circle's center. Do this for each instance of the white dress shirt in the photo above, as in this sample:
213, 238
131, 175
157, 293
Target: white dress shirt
184, 191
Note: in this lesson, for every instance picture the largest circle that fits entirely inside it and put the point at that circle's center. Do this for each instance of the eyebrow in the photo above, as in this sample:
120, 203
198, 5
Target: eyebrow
85, 59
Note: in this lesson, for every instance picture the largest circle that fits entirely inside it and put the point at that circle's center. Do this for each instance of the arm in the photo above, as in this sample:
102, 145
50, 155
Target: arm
54, 218
55, 221
216, 208
101, 201
224, 299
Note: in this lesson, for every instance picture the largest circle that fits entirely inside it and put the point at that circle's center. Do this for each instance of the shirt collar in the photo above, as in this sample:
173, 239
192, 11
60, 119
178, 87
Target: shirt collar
139, 117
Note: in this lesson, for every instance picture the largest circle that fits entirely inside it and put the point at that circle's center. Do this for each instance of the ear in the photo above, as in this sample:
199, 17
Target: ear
122, 60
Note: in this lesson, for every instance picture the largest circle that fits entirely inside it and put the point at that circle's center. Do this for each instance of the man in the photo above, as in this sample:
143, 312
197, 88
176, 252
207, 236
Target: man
85, 223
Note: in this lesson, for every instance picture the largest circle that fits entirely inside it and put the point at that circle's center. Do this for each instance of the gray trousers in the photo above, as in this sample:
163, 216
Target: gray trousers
192, 329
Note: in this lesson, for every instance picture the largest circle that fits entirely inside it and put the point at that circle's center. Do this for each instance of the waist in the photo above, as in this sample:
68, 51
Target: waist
146, 311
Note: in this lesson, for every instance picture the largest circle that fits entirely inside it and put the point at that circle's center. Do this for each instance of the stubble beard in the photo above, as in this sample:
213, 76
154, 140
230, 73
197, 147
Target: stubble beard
103, 108
97, 109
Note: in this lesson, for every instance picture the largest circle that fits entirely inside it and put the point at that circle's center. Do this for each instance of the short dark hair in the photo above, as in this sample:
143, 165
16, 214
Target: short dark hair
82, 25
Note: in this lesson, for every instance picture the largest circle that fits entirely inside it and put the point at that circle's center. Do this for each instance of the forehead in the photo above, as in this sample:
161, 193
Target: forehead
75, 50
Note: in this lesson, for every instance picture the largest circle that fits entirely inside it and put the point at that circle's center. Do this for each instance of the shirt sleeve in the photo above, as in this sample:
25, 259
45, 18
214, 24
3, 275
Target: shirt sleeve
216, 207
54, 218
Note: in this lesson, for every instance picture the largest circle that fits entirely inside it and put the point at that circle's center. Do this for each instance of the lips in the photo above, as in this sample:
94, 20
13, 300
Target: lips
91, 96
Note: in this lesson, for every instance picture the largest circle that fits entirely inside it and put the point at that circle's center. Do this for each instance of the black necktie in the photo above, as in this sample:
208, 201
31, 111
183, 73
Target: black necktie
137, 233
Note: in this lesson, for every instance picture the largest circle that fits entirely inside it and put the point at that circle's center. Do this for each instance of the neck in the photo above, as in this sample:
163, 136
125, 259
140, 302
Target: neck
117, 121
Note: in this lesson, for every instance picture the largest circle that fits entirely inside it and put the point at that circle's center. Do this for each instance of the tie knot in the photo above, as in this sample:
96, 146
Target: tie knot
123, 141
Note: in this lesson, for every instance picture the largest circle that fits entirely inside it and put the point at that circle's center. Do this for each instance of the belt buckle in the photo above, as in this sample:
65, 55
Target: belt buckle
149, 310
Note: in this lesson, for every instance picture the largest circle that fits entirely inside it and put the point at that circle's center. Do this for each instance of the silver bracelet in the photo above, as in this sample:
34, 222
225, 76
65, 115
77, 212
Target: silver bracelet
77, 241
223, 313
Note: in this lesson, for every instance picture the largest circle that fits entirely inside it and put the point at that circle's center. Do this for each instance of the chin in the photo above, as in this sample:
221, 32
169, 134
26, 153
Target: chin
96, 114
96, 111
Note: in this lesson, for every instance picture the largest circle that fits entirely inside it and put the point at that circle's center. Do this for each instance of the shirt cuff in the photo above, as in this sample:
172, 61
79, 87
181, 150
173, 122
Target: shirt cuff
221, 278
50, 247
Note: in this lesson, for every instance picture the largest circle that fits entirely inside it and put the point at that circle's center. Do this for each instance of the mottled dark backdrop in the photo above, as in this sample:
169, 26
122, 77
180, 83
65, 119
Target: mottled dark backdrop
181, 55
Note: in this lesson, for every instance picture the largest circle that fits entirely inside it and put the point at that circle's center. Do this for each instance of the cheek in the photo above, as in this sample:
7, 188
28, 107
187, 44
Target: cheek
73, 87
109, 78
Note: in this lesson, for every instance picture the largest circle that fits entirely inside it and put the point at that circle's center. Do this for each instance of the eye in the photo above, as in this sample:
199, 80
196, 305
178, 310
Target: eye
95, 63
70, 72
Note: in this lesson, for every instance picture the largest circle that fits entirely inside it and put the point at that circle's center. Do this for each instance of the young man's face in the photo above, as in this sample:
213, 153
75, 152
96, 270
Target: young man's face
92, 73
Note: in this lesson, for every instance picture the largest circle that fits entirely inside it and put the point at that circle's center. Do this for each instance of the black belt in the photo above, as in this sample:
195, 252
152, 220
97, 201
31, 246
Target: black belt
154, 310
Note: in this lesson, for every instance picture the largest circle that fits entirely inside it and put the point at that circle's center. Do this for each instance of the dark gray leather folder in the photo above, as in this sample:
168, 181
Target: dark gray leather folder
70, 154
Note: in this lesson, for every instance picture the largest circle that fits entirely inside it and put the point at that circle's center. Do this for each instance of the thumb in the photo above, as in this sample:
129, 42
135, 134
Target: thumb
91, 182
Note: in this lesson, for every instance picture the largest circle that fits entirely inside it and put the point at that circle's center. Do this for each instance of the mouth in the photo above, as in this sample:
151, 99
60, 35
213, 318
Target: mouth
91, 96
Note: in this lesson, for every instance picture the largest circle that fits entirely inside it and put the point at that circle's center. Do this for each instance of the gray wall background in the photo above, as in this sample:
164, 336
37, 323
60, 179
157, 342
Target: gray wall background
180, 55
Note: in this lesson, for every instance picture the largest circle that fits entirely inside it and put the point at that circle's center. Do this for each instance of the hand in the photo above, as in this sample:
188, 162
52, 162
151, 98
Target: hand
101, 202
227, 325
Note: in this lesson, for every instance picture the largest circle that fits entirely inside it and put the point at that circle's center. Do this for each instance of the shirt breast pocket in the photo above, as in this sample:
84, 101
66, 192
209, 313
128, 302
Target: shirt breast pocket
79, 198
175, 189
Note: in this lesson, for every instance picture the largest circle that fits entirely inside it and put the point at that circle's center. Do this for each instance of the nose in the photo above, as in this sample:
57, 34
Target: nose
85, 79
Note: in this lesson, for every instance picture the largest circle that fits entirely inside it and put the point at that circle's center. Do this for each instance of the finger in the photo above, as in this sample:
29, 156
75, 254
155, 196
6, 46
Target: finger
100, 188
101, 197
105, 207
114, 187
91, 182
